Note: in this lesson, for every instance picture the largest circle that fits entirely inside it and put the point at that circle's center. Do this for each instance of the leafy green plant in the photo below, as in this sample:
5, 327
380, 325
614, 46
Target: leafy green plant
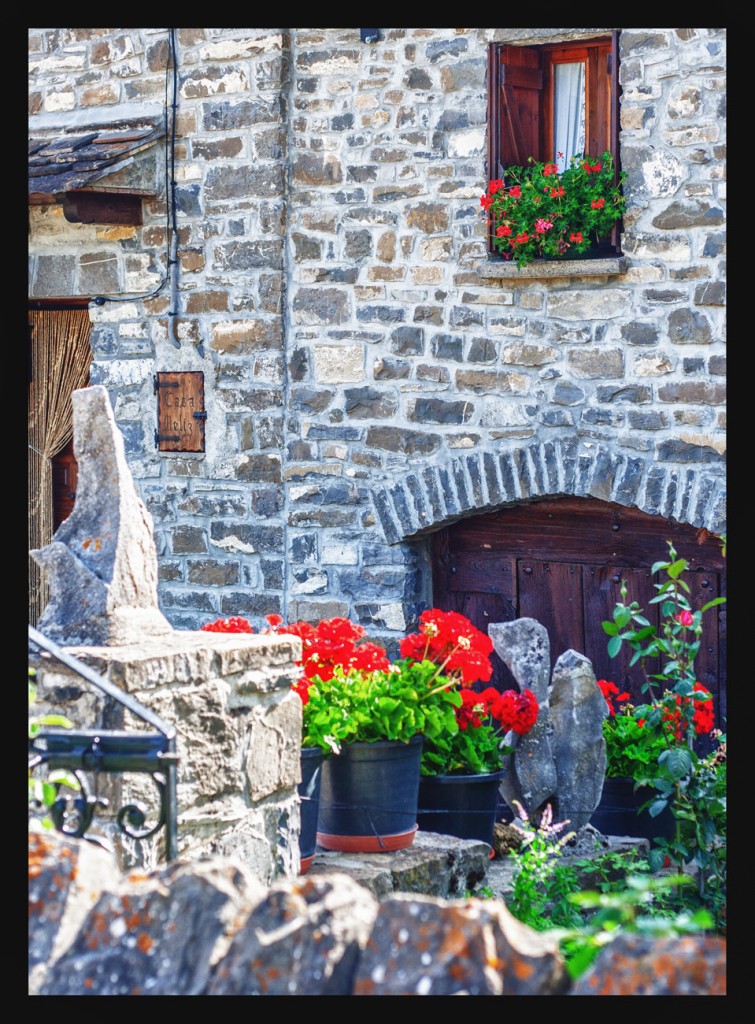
477, 745
43, 789
680, 709
626, 896
538, 212
608, 914
632, 751
361, 707
542, 884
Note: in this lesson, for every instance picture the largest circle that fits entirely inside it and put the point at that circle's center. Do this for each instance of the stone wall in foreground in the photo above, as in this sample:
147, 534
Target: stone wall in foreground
213, 929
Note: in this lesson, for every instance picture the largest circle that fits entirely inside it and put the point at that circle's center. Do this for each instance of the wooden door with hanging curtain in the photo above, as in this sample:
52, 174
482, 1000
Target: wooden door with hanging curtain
59, 360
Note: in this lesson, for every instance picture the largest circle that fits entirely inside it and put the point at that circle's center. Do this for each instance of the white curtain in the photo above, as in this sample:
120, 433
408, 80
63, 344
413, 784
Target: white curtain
569, 114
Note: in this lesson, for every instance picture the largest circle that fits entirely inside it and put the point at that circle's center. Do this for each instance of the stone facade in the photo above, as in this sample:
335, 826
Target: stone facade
370, 374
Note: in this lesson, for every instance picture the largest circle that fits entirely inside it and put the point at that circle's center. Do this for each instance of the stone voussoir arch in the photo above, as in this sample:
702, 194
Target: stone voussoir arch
426, 498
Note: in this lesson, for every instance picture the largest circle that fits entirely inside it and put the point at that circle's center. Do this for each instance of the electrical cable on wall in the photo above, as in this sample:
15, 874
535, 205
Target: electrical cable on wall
171, 225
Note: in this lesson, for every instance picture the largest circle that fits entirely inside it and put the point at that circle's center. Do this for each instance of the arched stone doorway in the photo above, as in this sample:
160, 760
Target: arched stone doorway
561, 561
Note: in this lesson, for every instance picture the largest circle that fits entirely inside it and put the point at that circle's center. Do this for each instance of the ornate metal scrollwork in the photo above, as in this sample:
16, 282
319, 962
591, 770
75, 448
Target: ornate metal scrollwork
100, 751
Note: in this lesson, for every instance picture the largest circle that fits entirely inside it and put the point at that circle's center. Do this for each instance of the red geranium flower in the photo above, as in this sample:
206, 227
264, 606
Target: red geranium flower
495, 186
598, 204
556, 193
611, 693
515, 192
550, 169
575, 236
503, 231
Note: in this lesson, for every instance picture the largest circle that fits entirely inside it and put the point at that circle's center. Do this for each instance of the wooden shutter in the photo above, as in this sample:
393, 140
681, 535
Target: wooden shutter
520, 79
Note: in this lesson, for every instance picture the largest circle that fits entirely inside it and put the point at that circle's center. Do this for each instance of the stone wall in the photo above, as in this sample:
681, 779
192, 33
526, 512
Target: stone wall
238, 730
213, 929
369, 375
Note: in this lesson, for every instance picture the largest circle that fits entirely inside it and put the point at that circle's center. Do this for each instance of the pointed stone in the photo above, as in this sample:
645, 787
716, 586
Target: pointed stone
101, 566
530, 778
577, 710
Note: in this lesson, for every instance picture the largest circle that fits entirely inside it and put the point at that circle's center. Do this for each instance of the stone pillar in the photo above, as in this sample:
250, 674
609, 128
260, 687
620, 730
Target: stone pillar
239, 737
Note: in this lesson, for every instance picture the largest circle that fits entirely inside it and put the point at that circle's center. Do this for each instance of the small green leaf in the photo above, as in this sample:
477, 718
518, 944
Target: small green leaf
677, 568
614, 646
657, 566
710, 604
611, 628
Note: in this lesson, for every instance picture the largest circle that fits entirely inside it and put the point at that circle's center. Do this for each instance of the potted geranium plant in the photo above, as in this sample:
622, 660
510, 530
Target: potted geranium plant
461, 766
632, 753
538, 212
370, 717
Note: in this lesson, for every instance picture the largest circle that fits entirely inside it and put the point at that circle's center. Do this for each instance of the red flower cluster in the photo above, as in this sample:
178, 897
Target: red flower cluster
331, 643
556, 193
515, 712
611, 693
451, 641
703, 718
592, 168
550, 169
233, 625
495, 186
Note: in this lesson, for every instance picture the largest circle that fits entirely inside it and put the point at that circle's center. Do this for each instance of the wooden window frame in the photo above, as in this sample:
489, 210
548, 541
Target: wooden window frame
520, 103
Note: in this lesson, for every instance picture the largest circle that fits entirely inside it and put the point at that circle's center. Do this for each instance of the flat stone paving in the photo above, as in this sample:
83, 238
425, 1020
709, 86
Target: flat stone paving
437, 865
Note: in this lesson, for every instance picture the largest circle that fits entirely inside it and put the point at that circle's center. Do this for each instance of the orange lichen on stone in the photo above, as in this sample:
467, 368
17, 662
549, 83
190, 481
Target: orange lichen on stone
132, 921
88, 983
522, 969
144, 942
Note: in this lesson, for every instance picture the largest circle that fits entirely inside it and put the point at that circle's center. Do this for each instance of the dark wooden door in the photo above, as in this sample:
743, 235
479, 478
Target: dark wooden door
562, 561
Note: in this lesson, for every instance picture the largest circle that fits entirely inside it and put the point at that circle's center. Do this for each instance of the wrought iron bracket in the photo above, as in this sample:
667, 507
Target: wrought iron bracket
151, 753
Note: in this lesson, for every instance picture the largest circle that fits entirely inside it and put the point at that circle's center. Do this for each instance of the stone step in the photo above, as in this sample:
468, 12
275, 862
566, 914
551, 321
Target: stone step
451, 868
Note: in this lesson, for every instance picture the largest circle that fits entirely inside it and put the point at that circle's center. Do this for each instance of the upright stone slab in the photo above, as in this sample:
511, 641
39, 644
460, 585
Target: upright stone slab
561, 761
577, 710
530, 778
101, 566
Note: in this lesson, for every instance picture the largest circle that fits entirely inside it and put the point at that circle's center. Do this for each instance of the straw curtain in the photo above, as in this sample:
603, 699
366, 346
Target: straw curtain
60, 360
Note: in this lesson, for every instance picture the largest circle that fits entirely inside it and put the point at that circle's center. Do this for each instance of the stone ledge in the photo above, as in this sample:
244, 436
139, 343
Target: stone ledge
433, 865
547, 269
450, 868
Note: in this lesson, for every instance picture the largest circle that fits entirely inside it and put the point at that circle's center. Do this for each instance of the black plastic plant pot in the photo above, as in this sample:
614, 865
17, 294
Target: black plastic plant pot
617, 813
464, 806
309, 796
368, 797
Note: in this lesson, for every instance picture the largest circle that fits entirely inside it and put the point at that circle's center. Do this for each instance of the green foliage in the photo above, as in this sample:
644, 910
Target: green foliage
539, 212
589, 902
632, 751
542, 885
362, 707
608, 914
43, 789
693, 787
465, 752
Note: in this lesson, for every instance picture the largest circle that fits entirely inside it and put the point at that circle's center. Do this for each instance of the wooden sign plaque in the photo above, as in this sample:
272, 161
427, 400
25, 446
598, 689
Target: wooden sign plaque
180, 411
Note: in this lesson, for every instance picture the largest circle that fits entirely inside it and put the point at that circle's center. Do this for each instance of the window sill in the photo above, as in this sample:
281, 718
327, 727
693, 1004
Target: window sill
547, 269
